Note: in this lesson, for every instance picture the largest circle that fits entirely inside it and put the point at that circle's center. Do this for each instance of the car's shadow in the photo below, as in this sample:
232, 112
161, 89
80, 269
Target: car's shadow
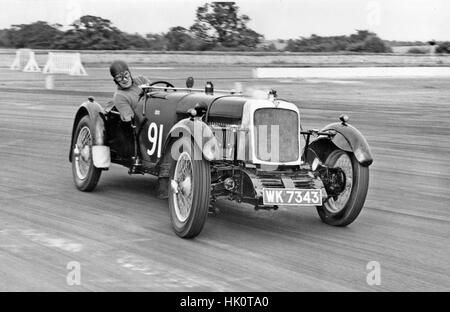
287, 220
118, 180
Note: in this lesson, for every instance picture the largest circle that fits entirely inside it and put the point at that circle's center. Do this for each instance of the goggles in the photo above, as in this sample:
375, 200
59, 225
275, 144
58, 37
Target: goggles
122, 76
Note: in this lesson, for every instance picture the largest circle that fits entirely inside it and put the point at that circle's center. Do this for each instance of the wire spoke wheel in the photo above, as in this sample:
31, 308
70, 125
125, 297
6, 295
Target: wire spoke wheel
338, 202
183, 177
85, 174
83, 157
189, 190
343, 208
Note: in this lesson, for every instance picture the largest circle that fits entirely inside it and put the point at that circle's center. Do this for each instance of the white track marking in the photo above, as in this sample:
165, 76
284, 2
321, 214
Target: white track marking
350, 72
54, 242
332, 81
10, 143
165, 276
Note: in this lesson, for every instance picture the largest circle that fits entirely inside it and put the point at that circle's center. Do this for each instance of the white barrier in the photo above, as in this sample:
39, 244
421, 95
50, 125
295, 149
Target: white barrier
64, 63
26, 61
350, 72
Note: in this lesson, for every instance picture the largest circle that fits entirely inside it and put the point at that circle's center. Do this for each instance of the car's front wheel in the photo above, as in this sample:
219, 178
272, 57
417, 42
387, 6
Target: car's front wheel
85, 174
189, 190
352, 180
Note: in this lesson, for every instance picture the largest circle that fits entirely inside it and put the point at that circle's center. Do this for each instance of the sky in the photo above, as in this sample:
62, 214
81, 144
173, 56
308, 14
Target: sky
406, 20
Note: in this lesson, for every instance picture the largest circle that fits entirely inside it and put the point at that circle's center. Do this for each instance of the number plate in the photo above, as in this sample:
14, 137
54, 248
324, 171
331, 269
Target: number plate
297, 197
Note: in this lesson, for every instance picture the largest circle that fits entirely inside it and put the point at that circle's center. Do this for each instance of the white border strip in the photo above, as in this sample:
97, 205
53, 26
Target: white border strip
349, 72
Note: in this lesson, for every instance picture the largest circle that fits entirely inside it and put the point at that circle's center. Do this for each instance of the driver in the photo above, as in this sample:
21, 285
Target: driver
127, 94
125, 100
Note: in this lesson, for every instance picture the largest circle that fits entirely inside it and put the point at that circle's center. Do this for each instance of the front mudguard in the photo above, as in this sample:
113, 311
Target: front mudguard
200, 133
347, 138
96, 113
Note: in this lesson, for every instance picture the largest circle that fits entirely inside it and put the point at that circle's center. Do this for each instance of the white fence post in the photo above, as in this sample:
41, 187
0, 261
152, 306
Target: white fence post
64, 63
25, 60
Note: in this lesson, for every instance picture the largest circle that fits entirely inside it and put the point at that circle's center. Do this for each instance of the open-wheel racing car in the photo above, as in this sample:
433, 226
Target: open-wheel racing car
205, 144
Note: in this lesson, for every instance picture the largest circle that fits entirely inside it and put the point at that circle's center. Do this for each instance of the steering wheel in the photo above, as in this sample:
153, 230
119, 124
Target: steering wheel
168, 84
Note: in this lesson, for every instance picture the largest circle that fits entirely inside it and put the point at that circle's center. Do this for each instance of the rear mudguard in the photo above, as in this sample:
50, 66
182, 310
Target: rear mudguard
200, 133
96, 113
347, 138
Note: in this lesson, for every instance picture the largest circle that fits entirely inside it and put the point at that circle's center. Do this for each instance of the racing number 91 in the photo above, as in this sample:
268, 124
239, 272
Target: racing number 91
155, 138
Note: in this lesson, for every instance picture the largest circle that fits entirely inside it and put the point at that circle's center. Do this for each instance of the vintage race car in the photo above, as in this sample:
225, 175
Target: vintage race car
206, 144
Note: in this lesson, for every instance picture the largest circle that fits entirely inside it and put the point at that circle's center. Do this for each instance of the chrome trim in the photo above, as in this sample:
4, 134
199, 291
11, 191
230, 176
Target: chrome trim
247, 122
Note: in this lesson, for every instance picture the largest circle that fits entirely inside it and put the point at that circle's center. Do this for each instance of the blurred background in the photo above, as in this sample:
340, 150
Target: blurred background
276, 25
54, 54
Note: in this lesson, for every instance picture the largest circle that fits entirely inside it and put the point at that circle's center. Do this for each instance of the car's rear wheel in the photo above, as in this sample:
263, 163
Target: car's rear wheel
85, 175
189, 190
344, 208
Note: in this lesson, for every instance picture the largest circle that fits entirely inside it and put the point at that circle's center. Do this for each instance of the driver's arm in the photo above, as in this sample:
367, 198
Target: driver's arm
140, 80
123, 105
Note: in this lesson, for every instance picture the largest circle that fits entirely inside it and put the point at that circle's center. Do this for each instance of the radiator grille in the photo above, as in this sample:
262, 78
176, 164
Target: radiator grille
276, 135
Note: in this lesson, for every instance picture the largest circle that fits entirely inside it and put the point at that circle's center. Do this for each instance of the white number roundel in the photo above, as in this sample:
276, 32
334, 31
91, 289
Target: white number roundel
155, 138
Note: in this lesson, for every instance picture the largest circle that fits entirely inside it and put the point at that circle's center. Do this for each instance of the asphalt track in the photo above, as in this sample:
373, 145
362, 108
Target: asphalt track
121, 236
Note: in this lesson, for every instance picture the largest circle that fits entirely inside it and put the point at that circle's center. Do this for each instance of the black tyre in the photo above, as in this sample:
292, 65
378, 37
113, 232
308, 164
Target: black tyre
345, 207
189, 190
85, 175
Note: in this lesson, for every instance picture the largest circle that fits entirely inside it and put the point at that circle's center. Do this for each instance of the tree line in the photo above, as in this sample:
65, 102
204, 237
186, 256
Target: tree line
218, 27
